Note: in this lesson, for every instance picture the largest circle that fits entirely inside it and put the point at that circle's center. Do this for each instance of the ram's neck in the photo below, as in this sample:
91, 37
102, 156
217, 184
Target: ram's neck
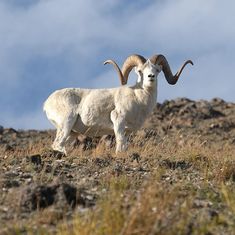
147, 96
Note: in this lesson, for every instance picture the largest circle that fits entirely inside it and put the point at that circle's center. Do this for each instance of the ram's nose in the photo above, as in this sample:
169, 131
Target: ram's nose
151, 77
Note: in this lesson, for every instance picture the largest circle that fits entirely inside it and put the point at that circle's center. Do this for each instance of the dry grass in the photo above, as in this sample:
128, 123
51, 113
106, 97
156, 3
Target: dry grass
179, 185
191, 193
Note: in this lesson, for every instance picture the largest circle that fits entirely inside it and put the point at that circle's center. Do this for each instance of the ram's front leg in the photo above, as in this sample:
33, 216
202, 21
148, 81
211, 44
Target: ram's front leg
119, 131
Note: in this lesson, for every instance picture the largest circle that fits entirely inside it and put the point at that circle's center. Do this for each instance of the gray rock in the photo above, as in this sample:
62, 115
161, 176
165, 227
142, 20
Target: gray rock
41, 196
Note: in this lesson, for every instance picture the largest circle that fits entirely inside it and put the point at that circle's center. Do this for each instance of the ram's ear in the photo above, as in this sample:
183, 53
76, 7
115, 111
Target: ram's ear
138, 71
139, 74
160, 68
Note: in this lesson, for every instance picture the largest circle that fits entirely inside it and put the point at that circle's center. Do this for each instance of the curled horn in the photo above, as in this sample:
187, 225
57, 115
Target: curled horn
131, 62
120, 75
161, 60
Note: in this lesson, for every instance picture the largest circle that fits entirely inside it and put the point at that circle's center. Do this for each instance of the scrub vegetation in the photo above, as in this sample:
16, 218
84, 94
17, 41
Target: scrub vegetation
177, 177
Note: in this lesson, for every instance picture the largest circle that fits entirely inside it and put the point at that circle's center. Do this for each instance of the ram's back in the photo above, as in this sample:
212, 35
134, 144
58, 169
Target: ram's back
91, 106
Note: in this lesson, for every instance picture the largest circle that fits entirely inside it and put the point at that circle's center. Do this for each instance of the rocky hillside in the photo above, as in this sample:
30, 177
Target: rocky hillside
177, 175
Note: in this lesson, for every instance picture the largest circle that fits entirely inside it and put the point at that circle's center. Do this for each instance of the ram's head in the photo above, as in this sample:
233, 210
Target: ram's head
159, 62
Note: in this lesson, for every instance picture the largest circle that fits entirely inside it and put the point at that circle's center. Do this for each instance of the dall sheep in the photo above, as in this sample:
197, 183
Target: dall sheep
121, 110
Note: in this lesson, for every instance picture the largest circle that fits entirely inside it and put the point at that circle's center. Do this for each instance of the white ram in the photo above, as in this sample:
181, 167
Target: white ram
96, 112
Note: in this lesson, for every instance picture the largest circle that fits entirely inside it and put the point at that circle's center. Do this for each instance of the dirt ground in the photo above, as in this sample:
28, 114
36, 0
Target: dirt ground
177, 177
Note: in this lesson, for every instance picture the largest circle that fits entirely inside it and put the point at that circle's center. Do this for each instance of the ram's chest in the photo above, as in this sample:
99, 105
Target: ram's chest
138, 111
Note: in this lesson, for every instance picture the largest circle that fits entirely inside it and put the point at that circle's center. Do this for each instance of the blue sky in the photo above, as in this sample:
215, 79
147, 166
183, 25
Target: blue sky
51, 44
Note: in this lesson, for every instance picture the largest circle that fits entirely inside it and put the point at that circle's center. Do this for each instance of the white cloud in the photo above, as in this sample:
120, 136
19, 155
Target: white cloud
63, 43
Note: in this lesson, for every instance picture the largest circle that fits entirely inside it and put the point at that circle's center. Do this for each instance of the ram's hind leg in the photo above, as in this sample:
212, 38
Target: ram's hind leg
63, 133
119, 131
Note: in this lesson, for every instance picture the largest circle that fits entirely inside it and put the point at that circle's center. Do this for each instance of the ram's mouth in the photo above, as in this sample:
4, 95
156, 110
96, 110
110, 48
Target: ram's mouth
151, 80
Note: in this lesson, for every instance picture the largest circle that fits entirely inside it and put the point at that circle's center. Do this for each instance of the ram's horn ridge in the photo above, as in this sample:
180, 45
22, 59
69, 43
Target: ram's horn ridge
161, 60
